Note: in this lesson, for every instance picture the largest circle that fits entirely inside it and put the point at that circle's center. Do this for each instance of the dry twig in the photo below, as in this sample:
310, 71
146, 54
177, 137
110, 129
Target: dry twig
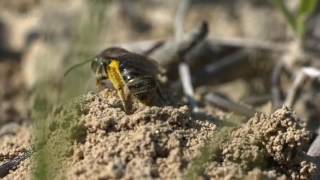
153, 48
277, 94
228, 105
184, 70
303, 75
257, 100
12, 164
314, 149
249, 44
183, 46
166, 53
230, 60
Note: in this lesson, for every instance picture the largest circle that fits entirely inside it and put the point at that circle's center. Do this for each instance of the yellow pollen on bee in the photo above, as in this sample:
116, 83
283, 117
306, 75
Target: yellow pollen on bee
114, 75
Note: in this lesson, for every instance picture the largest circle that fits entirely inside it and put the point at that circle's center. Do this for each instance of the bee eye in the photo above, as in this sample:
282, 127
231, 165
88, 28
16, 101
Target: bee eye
95, 64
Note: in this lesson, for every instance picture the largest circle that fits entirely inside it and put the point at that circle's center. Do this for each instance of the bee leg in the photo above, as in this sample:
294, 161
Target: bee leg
125, 99
160, 95
100, 76
98, 85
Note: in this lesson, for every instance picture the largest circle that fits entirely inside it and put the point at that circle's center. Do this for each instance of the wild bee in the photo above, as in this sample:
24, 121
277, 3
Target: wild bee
131, 74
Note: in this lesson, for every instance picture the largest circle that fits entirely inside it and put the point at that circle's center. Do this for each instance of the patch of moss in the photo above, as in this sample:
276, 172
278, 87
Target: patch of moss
55, 143
210, 152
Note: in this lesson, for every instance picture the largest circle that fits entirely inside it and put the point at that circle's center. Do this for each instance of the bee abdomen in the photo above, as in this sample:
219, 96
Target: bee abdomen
143, 87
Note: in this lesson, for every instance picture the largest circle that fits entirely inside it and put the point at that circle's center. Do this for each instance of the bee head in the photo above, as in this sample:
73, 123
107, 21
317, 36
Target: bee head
106, 56
98, 66
114, 53
99, 63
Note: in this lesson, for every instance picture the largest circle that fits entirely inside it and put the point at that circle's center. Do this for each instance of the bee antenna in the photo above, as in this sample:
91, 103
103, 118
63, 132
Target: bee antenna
76, 66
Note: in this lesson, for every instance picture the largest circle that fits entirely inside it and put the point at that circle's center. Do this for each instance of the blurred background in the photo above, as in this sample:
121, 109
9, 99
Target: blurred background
41, 39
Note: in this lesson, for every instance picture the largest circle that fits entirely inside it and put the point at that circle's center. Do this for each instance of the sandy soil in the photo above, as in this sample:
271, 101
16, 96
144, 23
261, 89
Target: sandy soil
92, 138
273, 143
153, 142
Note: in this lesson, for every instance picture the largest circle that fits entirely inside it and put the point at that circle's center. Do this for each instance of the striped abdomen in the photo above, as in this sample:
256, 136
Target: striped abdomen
142, 86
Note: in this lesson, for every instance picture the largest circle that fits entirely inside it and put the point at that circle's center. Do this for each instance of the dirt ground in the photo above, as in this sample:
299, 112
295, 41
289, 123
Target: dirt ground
93, 138
89, 136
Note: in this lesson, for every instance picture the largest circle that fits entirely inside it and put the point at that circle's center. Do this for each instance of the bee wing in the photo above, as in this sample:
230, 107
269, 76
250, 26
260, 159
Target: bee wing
132, 60
141, 63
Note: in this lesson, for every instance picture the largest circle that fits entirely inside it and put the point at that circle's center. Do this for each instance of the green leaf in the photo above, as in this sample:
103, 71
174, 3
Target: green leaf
287, 14
307, 7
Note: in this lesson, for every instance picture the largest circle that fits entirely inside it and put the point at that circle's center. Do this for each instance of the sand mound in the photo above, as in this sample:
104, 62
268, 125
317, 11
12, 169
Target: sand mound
271, 143
92, 138
153, 142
